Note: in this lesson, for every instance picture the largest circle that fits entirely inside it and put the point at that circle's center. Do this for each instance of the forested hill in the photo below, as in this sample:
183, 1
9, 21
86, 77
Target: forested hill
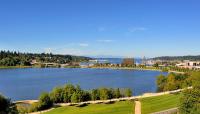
171, 58
8, 58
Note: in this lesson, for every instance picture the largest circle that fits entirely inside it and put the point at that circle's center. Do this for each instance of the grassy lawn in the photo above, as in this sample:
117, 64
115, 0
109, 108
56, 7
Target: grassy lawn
159, 103
123, 107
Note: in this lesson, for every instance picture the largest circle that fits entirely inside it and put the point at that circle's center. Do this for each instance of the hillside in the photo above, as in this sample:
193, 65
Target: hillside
8, 58
171, 58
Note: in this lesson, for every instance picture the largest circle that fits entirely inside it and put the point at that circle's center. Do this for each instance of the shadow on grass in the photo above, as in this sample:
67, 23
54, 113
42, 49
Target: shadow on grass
82, 105
110, 102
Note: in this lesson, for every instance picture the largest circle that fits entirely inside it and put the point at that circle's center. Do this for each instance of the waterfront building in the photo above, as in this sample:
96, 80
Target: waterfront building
189, 64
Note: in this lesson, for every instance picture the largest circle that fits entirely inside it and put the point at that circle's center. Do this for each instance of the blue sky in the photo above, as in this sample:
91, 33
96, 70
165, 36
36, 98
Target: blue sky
128, 28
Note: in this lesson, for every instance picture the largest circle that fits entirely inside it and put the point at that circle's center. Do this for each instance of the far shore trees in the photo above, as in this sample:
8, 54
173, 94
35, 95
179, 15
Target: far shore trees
8, 58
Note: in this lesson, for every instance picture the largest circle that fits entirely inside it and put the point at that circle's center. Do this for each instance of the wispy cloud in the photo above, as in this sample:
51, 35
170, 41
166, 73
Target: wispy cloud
83, 44
105, 41
71, 51
134, 29
101, 29
47, 50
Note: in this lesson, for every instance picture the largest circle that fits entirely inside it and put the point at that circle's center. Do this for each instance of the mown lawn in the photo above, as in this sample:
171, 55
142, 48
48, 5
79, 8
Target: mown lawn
122, 107
160, 103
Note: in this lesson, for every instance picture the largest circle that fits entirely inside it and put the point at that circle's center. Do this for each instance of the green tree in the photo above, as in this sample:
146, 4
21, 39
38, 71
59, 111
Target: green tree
6, 106
128, 92
86, 96
45, 101
117, 93
57, 95
104, 94
95, 94
156, 65
69, 89
190, 101
75, 97
161, 82
171, 83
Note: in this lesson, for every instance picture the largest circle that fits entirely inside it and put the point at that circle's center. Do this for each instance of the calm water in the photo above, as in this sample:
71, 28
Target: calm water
21, 84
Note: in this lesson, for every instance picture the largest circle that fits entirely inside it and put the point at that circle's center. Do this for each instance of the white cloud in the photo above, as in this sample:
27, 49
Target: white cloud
134, 29
105, 41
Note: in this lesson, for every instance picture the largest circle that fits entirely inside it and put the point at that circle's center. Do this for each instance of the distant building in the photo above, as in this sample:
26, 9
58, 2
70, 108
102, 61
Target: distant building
33, 62
95, 61
189, 64
128, 62
144, 61
150, 62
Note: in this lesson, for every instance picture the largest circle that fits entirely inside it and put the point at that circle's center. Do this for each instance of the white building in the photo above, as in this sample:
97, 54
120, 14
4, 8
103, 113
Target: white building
189, 64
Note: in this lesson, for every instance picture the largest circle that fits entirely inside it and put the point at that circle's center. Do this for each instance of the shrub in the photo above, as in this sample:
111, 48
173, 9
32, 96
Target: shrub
34, 107
189, 103
117, 93
95, 94
86, 96
57, 95
23, 108
75, 97
45, 101
68, 90
104, 94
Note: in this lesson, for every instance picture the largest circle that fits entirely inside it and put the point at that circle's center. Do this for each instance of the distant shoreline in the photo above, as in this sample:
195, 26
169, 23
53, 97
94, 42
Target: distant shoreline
124, 68
115, 68
127, 68
14, 67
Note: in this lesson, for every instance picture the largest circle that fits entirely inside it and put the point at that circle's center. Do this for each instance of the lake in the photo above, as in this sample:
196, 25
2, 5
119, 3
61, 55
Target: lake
23, 84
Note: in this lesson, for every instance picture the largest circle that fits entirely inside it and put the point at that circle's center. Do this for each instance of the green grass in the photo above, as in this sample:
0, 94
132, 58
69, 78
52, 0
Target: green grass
160, 103
122, 107
13, 67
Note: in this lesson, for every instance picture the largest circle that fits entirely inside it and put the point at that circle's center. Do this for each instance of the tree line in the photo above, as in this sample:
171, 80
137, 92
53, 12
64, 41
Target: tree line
74, 94
9, 58
190, 100
172, 81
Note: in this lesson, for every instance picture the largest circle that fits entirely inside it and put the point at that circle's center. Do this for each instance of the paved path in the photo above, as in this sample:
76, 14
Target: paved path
169, 111
137, 107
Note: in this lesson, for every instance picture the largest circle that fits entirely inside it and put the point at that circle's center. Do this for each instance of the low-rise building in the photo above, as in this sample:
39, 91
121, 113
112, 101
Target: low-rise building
189, 64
